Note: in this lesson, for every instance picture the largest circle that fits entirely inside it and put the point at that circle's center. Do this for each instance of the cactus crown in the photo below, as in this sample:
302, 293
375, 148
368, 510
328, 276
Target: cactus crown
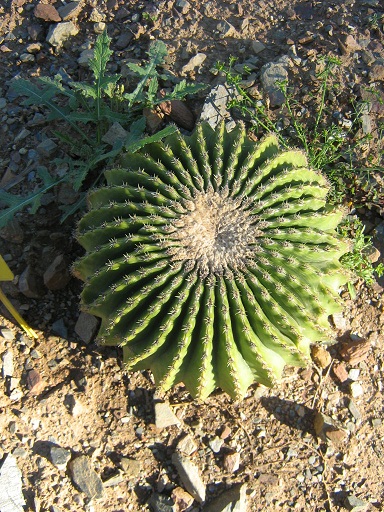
212, 260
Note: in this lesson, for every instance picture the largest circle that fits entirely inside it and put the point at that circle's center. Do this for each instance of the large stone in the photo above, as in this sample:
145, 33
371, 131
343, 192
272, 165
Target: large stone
272, 74
85, 477
70, 10
215, 106
11, 495
190, 476
29, 284
193, 63
8, 366
61, 32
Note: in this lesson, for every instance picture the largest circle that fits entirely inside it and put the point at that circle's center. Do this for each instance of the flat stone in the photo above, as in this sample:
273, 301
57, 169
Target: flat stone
190, 476
85, 477
11, 495
70, 11
355, 351
193, 63
376, 73
114, 480
46, 12
356, 389
58, 327
186, 445
59, 457
183, 5
271, 74
7, 334
164, 416
355, 504
354, 410
8, 366
85, 57
86, 327
61, 32
35, 383
231, 462
232, 500
339, 321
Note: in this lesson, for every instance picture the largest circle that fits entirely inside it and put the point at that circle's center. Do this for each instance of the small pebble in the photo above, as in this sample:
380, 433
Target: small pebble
356, 389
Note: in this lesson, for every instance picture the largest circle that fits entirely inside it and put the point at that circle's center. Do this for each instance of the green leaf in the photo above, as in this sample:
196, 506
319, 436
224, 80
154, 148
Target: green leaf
102, 54
157, 137
181, 90
16, 203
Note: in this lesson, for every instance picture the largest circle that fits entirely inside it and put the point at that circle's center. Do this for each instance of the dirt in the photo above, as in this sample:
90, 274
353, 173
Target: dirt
85, 401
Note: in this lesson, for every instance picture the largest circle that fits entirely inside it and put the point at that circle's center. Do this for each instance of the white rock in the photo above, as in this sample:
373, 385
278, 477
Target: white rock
11, 496
8, 367
354, 374
164, 416
215, 106
193, 63
356, 389
60, 32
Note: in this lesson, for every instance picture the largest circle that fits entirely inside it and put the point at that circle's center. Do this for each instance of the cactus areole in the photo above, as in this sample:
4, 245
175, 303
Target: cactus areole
212, 260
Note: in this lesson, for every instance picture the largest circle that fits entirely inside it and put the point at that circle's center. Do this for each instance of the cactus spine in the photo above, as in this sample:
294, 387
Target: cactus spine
212, 260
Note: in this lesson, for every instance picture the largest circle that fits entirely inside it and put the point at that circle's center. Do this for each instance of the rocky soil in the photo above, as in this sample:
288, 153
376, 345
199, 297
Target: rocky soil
76, 431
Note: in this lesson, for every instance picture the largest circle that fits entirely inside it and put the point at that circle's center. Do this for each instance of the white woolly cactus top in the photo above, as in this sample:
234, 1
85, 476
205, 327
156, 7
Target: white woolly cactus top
212, 260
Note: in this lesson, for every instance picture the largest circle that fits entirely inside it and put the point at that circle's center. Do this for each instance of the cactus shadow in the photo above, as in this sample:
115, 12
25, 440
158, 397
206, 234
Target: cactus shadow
290, 413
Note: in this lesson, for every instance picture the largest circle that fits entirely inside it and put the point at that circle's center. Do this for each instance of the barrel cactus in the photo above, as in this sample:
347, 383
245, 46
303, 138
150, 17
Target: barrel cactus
212, 260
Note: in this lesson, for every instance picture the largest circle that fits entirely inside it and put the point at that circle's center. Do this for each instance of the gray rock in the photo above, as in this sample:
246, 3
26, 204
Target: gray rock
57, 276
7, 334
160, 503
29, 284
233, 500
115, 133
26, 57
85, 57
86, 327
22, 135
190, 476
3, 103
59, 457
257, 47
215, 106
354, 410
60, 328
47, 148
164, 416
114, 480
11, 495
123, 40
70, 11
215, 444
193, 63
356, 504
376, 73
271, 74
8, 366
85, 477
61, 32
187, 445
183, 5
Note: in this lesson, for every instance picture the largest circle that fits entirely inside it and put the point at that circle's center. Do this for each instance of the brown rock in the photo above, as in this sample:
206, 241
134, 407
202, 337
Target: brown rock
226, 432
355, 351
35, 383
321, 356
179, 113
376, 72
183, 500
232, 462
57, 274
46, 12
153, 119
337, 436
340, 372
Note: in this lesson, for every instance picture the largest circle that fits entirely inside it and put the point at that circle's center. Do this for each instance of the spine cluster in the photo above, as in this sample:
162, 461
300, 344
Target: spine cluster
212, 260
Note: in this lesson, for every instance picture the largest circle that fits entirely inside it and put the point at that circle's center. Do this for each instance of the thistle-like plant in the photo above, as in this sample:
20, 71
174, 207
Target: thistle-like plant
212, 260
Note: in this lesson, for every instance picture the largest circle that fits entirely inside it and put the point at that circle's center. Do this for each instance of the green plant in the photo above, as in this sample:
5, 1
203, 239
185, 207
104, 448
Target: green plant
88, 110
358, 259
212, 260
327, 144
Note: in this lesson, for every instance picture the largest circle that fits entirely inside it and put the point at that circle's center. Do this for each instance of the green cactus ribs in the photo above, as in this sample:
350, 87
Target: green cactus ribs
212, 260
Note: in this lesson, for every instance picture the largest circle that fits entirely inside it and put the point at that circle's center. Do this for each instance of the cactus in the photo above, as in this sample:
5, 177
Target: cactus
212, 260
